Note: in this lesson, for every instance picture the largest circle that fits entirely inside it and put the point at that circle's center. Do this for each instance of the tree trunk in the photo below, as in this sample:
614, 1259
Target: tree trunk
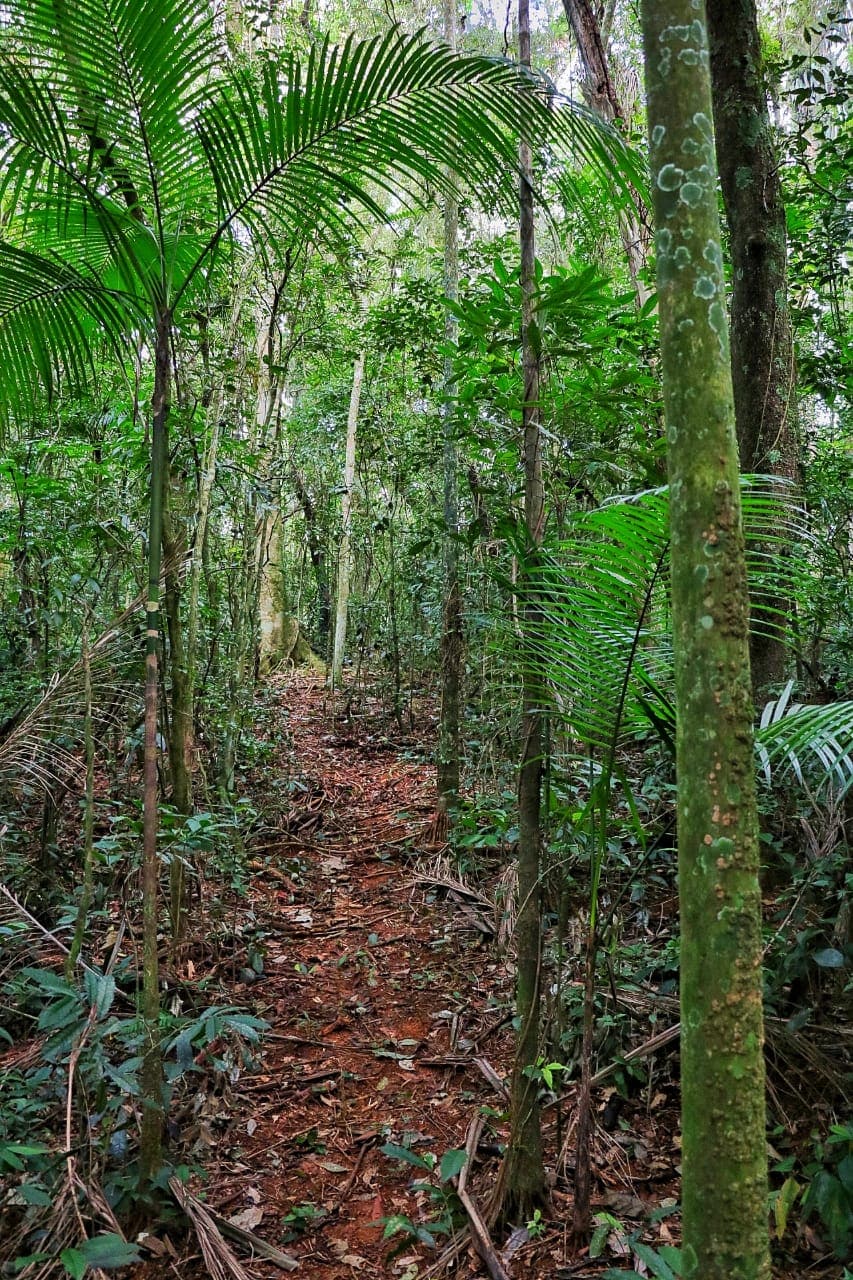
761, 337
317, 552
151, 1093
87, 888
345, 558
180, 699
271, 595
447, 779
600, 93
723, 1125
522, 1188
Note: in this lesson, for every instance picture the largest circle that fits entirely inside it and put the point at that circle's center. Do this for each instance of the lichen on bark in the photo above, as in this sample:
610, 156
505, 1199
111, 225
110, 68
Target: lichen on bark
724, 1145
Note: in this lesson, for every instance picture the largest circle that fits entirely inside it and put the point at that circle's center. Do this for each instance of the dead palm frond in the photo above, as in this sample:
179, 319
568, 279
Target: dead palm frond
42, 742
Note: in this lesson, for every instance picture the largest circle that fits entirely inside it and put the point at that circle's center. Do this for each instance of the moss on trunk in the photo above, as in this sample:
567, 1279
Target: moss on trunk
724, 1145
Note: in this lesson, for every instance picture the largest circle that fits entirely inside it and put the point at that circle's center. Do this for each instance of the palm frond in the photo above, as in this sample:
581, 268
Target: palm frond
603, 638
130, 112
29, 743
53, 317
368, 121
814, 743
103, 102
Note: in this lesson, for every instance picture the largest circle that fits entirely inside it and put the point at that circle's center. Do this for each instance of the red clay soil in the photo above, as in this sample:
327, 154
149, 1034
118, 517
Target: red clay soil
381, 995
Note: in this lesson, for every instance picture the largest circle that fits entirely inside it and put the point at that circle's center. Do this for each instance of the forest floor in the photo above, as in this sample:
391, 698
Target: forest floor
388, 1001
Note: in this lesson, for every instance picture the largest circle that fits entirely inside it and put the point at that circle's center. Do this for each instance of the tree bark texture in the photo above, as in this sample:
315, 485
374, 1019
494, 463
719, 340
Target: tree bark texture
523, 1175
447, 780
345, 558
600, 92
762, 343
151, 1094
317, 552
180, 700
723, 1123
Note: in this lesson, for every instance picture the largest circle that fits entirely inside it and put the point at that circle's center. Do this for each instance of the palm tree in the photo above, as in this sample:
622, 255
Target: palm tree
135, 155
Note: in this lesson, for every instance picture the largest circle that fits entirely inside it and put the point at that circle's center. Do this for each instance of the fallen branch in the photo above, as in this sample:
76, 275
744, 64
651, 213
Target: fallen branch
210, 1227
479, 1233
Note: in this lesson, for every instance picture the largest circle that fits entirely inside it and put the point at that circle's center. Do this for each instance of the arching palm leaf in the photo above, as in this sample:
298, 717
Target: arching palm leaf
51, 316
604, 641
133, 112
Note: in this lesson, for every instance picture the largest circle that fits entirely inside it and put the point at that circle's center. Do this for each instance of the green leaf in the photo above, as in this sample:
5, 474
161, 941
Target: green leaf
50, 982
109, 1250
406, 1155
398, 1222
829, 958
74, 1263
653, 1260
783, 1204
32, 1193
452, 1163
129, 1084
100, 991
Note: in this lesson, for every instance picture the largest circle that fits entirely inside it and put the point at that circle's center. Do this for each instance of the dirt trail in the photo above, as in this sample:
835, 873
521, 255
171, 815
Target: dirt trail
368, 988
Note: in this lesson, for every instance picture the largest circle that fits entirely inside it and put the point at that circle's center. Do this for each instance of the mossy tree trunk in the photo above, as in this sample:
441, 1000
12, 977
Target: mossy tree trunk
723, 1125
761, 336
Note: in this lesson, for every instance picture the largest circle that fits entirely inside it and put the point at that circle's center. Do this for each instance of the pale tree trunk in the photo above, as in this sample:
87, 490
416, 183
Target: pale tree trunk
724, 1158
761, 336
259, 561
600, 92
447, 780
208, 479
522, 1183
270, 594
345, 556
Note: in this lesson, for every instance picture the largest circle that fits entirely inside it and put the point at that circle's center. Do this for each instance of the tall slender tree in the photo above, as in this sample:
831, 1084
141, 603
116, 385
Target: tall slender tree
522, 1185
345, 551
447, 779
763, 373
600, 92
722, 1064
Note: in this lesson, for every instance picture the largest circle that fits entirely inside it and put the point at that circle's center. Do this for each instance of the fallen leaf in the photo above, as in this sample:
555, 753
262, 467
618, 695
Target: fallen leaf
333, 863
249, 1218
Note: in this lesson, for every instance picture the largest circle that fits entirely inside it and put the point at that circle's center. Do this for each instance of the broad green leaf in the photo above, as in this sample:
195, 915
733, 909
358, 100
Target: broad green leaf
405, 1154
829, 958
656, 1264
109, 1250
32, 1193
100, 991
783, 1204
74, 1263
452, 1163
